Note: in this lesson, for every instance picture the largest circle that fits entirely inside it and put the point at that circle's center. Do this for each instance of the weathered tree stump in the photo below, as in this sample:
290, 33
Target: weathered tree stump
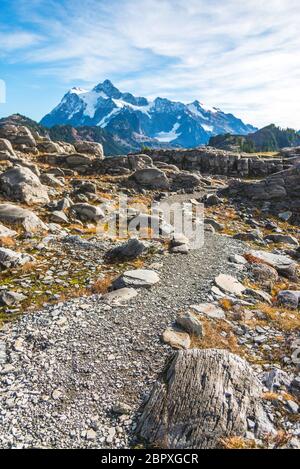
201, 397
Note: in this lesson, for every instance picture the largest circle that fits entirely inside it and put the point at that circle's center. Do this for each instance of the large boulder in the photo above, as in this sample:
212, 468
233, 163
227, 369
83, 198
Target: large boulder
18, 216
202, 397
90, 148
21, 184
151, 178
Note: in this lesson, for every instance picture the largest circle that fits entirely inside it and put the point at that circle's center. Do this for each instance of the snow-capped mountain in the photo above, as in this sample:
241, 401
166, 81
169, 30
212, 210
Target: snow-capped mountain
138, 121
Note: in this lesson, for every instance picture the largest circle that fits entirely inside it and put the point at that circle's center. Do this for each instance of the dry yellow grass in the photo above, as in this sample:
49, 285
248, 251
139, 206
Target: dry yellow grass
214, 338
7, 242
237, 442
282, 318
102, 285
28, 267
225, 303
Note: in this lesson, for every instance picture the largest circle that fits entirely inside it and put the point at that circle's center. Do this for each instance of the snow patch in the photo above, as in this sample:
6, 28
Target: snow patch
207, 128
167, 137
145, 109
105, 120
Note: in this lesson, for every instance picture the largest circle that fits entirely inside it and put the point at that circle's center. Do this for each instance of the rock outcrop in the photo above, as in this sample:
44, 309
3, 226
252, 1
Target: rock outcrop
202, 397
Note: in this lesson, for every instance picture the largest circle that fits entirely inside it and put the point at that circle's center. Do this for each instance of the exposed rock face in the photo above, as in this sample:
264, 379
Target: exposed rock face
280, 190
21, 184
202, 397
214, 161
17, 216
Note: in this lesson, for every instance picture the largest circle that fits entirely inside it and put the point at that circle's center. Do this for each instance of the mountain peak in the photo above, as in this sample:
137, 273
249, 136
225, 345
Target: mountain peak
108, 88
134, 118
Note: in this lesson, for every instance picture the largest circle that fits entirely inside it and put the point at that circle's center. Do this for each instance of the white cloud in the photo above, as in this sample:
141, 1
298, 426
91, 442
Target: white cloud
12, 41
239, 56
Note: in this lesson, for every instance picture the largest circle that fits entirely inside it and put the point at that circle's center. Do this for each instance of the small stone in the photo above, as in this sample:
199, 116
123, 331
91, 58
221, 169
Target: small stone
91, 435
176, 339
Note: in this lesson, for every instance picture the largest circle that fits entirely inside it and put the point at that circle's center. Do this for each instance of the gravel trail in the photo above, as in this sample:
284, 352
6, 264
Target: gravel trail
65, 367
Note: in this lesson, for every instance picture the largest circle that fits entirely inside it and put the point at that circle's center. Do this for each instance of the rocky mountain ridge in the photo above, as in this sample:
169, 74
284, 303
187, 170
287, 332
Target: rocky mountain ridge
135, 120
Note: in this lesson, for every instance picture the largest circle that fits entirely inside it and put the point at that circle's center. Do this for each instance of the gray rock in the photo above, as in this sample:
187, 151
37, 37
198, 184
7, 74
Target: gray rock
18, 216
229, 284
285, 216
152, 178
179, 239
282, 263
282, 238
79, 159
139, 278
176, 338
210, 310
213, 392
10, 258
237, 259
190, 323
139, 162
51, 180
7, 232
59, 217
289, 298
117, 297
182, 249
87, 212
92, 148
129, 250
216, 225
211, 200
6, 149
292, 407
259, 295
21, 184
10, 298
250, 236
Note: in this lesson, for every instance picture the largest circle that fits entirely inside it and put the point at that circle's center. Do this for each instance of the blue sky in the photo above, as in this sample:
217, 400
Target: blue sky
240, 56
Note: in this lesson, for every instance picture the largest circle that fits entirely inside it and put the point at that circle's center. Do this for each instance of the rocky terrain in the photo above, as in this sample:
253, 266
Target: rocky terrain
110, 342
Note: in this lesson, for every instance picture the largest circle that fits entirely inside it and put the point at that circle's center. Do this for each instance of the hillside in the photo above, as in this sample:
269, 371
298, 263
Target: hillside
112, 145
269, 138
